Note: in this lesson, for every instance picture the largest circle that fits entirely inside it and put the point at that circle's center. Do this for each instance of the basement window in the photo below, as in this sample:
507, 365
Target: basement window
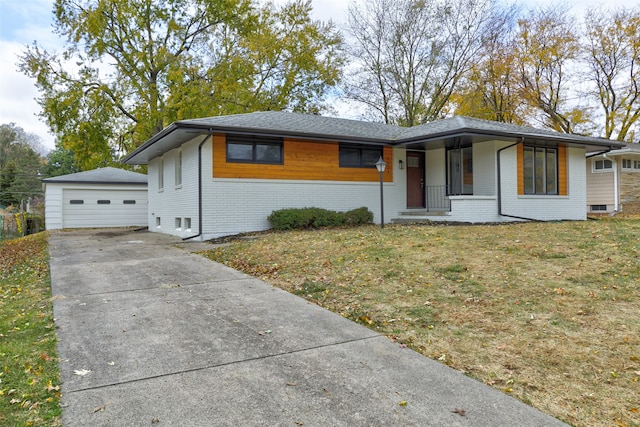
178, 223
187, 223
598, 208
158, 222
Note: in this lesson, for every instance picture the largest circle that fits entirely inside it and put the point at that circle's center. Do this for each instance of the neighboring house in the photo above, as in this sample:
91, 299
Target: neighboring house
224, 175
106, 197
613, 181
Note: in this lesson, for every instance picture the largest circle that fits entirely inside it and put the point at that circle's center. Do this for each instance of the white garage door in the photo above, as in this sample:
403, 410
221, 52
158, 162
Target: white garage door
104, 208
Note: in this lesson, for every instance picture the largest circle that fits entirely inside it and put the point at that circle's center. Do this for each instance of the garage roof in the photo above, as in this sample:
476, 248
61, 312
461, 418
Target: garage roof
106, 175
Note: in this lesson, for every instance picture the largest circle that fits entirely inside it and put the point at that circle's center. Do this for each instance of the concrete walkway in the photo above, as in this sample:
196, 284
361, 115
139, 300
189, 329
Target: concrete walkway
151, 334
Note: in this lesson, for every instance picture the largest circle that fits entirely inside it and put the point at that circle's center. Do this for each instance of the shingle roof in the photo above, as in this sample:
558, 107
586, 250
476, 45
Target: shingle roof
335, 129
301, 124
106, 175
459, 124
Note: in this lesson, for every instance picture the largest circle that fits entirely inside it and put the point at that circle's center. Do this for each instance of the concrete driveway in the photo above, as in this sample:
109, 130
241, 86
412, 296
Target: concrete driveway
152, 334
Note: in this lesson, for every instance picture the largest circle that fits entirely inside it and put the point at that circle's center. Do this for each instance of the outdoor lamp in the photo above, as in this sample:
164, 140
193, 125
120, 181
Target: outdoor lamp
401, 164
381, 165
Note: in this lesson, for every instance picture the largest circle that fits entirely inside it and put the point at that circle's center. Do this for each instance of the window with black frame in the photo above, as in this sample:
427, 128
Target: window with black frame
358, 156
255, 149
540, 170
460, 171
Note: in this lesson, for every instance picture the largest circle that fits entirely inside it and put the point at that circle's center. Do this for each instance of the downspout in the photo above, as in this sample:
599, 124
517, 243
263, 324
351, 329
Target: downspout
616, 193
200, 186
521, 141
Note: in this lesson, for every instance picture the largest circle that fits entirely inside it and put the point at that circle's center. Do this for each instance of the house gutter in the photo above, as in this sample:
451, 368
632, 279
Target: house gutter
498, 153
210, 132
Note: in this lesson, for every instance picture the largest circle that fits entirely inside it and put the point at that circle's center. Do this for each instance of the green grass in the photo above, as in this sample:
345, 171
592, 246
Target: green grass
546, 312
29, 376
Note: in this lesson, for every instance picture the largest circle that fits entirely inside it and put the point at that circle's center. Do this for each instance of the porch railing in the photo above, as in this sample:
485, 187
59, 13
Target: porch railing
437, 199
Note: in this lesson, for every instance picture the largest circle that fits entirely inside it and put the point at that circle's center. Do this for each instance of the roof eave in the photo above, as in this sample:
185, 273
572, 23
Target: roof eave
595, 143
238, 130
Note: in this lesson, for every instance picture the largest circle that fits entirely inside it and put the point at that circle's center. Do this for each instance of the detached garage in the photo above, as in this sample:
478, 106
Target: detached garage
105, 197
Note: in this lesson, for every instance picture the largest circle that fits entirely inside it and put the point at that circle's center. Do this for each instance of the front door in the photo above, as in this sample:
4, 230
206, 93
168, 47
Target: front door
415, 180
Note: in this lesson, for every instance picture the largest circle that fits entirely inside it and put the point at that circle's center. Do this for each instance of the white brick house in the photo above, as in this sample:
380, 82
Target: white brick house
224, 175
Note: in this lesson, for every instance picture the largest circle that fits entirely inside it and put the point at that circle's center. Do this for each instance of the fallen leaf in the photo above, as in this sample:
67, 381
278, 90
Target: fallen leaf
402, 403
460, 412
98, 409
81, 372
292, 384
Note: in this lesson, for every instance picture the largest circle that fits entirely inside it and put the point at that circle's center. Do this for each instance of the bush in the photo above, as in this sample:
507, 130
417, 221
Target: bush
358, 216
291, 219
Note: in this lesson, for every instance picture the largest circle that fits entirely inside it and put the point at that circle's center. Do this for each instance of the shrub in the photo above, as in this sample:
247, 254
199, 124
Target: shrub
358, 216
290, 219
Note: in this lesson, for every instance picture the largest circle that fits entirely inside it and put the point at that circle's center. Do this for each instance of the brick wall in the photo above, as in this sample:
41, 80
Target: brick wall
630, 192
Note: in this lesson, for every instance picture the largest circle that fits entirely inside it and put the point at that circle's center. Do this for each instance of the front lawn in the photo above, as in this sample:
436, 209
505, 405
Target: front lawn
546, 312
29, 377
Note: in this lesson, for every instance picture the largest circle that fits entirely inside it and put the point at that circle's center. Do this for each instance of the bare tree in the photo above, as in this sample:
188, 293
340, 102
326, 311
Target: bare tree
411, 54
547, 50
612, 52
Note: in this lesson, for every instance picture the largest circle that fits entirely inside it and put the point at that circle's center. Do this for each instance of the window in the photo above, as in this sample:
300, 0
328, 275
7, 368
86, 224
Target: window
598, 208
158, 222
601, 165
179, 169
161, 175
460, 171
187, 223
104, 202
354, 156
178, 223
540, 170
631, 164
241, 149
76, 202
129, 202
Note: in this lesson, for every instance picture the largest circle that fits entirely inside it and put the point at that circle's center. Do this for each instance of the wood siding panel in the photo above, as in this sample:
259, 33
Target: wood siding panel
562, 170
520, 160
303, 160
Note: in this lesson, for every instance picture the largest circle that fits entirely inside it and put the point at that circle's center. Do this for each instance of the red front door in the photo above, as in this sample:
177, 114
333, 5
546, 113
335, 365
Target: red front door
415, 180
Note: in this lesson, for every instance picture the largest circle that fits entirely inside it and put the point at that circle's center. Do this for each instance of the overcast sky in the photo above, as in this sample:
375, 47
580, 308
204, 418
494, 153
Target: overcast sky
24, 21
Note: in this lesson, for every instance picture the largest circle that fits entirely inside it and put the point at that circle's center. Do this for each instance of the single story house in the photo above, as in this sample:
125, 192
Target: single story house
224, 175
105, 197
613, 181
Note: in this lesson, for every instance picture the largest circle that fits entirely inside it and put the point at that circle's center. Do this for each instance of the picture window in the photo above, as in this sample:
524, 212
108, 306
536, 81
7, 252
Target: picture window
540, 170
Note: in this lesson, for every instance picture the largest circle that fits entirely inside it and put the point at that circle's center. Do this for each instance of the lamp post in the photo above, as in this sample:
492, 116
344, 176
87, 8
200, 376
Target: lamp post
381, 165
